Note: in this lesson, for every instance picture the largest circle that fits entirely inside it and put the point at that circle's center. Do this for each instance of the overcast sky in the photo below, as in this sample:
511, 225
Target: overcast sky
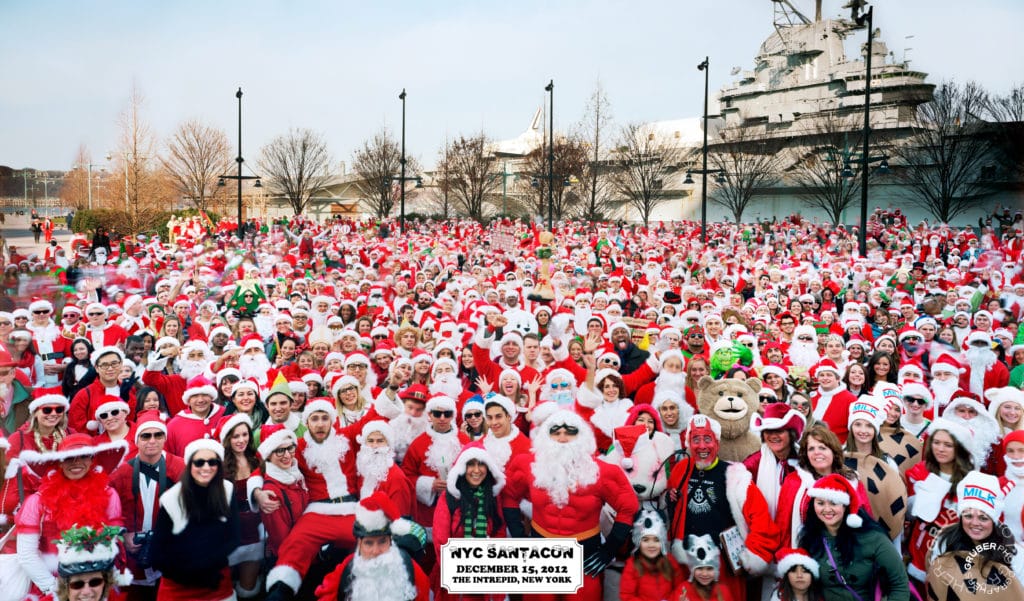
337, 67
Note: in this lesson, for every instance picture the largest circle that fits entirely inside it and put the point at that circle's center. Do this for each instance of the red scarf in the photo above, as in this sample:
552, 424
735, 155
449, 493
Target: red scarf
71, 503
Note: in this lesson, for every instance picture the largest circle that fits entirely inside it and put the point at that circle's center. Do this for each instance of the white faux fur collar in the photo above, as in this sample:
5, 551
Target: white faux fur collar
171, 502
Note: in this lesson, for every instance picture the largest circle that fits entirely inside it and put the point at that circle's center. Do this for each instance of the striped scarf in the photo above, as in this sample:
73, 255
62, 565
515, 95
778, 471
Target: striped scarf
475, 520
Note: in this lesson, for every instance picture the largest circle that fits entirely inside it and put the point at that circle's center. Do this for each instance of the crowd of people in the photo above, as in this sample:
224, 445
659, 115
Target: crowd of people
314, 410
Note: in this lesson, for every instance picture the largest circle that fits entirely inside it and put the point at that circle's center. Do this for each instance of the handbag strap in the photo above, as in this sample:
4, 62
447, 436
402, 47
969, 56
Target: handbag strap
835, 569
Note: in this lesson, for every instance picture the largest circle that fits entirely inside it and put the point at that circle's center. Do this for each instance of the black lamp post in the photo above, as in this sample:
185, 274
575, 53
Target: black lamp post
864, 18
550, 89
705, 67
401, 218
239, 177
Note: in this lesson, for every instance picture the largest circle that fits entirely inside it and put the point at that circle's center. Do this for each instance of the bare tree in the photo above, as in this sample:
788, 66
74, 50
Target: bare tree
747, 162
643, 162
596, 198
571, 157
295, 165
944, 160
439, 196
75, 191
196, 155
146, 195
378, 164
824, 168
470, 174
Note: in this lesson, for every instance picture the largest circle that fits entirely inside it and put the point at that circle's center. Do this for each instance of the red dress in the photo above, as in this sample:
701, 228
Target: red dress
651, 585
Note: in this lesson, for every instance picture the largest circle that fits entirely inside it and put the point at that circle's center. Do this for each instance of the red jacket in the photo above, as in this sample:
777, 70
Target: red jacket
294, 497
87, 400
652, 585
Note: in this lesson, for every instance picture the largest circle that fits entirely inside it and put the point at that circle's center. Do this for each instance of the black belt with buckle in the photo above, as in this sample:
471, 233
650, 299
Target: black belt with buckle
338, 500
49, 356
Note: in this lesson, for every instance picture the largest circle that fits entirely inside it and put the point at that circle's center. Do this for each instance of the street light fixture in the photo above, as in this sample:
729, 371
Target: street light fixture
419, 184
862, 18
550, 89
221, 180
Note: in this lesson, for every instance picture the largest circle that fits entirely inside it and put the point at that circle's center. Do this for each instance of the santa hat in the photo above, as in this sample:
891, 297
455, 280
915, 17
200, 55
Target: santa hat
837, 489
105, 457
997, 396
702, 424
47, 400
377, 515
246, 385
961, 433
502, 401
416, 392
917, 390
443, 361
541, 412
252, 341
149, 420
627, 437
320, 404
273, 437
825, 365
779, 416
228, 372
198, 385
977, 336
103, 351
907, 331
869, 408
911, 369
788, 558
357, 358
774, 369
203, 444
980, 491
110, 403
441, 402
228, 423
946, 363
380, 426
475, 451
169, 341
650, 523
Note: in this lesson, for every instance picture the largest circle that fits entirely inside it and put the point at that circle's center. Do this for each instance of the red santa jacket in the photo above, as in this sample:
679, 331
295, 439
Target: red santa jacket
833, 408
172, 386
87, 400
110, 334
187, 426
423, 463
294, 498
328, 590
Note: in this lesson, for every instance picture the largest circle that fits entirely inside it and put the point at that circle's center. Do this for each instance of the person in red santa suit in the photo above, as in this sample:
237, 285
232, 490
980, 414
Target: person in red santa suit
133, 320
503, 440
378, 570
99, 331
511, 350
984, 370
1013, 457
831, 403
198, 421
51, 347
707, 496
108, 362
74, 492
193, 359
568, 488
328, 465
430, 457
139, 482
376, 470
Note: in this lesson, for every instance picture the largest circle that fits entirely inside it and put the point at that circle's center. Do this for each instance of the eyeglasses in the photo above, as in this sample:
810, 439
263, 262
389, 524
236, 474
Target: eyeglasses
570, 430
358, 366
913, 400
805, 338
152, 435
282, 451
768, 399
95, 314
474, 415
41, 312
206, 462
111, 413
94, 582
440, 414
378, 336
557, 385
109, 365
347, 389
58, 409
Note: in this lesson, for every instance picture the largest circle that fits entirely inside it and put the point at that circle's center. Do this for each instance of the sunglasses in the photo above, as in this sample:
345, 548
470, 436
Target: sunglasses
5, 323
474, 415
805, 339
77, 585
440, 414
570, 430
282, 451
206, 462
111, 413
58, 409
151, 435
559, 385
95, 314
41, 312
915, 400
767, 399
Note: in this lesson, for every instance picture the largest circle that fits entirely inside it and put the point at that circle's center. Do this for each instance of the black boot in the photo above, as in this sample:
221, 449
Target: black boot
280, 592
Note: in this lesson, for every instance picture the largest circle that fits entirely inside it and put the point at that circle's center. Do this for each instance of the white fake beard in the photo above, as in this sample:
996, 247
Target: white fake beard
1014, 471
406, 429
804, 354
444, 448
561, 468
377, 579
254, 366
448, 385
980, 359
325, 458
191, 369
373, 465
944, 390
264, 325
670, 382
